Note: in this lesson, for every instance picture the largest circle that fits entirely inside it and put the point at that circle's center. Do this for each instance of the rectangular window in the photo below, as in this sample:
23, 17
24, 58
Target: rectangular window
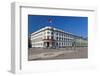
47, 37
51, 37
56, 33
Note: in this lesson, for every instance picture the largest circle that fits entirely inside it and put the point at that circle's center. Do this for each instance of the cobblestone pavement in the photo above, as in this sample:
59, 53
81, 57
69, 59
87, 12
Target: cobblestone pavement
62, 53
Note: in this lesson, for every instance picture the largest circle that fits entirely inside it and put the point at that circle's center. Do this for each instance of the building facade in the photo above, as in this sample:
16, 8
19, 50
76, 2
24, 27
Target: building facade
49, 37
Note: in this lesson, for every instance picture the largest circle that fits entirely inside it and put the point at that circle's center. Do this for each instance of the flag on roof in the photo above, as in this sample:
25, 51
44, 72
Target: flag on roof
50, 20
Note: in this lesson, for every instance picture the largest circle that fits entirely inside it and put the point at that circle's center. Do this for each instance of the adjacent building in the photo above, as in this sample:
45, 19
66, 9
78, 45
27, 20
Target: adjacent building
49, 37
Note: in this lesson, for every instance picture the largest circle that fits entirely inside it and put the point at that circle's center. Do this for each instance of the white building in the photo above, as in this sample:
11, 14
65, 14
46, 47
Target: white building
49, 37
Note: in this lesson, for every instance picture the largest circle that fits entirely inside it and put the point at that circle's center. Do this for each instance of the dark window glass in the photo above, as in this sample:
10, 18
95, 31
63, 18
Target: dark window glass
48, 32
47, 37
57, 38
52, 33
51, 37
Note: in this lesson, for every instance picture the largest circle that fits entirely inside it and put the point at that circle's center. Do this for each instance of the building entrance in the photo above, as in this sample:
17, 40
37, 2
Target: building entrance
48, 44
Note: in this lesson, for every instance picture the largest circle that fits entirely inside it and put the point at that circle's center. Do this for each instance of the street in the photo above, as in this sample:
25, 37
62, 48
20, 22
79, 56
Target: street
61, 53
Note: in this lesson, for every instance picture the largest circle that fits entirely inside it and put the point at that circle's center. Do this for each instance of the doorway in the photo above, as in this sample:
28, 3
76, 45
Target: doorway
48, 44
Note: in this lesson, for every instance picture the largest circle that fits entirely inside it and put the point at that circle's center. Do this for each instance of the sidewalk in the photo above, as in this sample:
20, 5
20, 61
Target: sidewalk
48, 54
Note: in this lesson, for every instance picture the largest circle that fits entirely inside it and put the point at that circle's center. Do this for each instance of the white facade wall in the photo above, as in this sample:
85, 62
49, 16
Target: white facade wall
63, 39
50, 35
36, 40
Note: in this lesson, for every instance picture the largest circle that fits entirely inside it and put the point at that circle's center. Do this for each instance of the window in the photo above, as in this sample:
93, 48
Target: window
62, 39
59, 44
59, 34
52, 33
56, 33
62, 34
47, 37
44, 37
51, 37
57, 38
48, 32
62, 44
44, 33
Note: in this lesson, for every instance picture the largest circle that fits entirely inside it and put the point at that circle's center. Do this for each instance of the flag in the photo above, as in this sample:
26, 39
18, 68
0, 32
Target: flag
50, 20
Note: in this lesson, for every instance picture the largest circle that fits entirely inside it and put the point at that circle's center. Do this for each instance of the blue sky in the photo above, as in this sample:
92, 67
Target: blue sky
73, 24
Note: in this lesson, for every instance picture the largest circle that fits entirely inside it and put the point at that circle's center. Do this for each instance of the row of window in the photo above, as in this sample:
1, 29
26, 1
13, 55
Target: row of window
57, 38
63, 44
58, 34
48, 37
62, 34
48, 33
57, 44
63, 39
37, 44
36, 39
36, 35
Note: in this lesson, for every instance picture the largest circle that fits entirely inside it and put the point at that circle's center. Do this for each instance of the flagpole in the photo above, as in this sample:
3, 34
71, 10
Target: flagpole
50, 21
